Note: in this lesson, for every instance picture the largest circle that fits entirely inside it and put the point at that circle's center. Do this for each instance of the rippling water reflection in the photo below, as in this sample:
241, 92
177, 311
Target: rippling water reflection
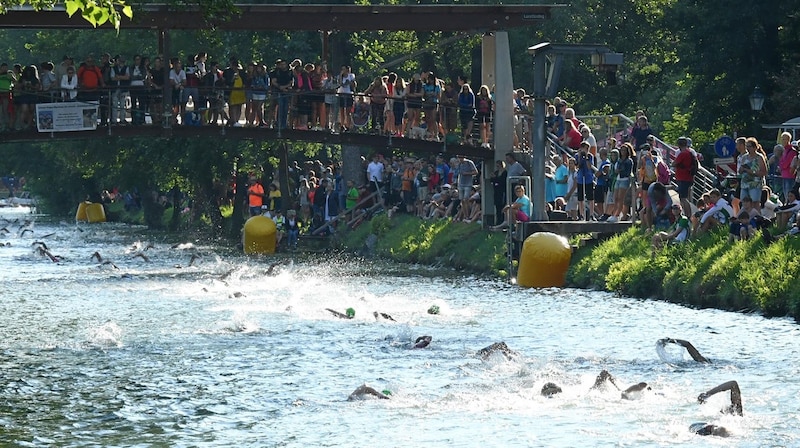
161, 353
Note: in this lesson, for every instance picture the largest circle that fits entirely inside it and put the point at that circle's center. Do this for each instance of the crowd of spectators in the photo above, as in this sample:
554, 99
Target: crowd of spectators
285, 94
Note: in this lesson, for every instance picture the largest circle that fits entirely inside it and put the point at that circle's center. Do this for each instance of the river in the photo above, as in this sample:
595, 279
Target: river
222, 353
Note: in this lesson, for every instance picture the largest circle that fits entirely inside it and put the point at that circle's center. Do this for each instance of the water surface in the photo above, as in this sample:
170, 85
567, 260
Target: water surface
160, 353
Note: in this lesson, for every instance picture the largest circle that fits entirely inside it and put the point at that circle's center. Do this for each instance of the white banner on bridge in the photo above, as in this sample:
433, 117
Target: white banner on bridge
69, 116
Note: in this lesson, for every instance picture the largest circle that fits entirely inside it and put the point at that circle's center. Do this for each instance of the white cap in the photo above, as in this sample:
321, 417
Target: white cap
446, 186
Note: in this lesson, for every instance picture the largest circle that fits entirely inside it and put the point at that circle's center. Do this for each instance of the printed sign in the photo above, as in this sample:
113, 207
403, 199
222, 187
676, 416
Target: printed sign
68, 116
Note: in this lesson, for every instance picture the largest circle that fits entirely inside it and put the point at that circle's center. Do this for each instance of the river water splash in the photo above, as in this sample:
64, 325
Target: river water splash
225, 352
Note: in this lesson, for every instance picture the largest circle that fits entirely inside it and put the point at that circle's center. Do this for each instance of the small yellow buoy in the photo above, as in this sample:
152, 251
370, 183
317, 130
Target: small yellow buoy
80, 215
544, 261
259, 235
95, 212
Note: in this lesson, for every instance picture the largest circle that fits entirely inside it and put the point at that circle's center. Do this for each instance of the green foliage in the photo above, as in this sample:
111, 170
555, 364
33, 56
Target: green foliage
704, 272
408, 239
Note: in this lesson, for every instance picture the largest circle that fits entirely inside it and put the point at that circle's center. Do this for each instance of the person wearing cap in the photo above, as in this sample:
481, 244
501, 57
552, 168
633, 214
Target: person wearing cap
363, 392
678, 232
683, 173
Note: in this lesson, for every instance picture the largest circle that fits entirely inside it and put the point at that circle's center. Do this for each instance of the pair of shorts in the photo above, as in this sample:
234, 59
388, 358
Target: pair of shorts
422, 193
522, 216
623, 183
259, 97
685, 187
585, 191
464, 192
600, 192
346, 100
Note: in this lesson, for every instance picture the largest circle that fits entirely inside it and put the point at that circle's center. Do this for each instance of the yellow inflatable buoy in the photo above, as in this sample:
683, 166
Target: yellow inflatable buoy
95, 212
544, 261
259, 235
80, 215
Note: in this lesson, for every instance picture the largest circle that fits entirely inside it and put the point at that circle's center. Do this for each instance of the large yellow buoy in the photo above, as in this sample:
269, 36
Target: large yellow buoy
95, 212
544, 261
80, 215
259, 235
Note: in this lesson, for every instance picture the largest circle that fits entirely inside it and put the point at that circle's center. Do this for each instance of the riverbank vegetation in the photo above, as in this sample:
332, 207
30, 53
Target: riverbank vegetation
705, 272
408, 239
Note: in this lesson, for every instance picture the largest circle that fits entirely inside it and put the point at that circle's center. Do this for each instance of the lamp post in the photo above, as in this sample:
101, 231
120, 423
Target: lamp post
756, 104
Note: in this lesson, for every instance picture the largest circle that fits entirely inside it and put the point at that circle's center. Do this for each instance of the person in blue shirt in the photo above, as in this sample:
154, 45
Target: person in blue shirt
561, 177
584, 160
519, 211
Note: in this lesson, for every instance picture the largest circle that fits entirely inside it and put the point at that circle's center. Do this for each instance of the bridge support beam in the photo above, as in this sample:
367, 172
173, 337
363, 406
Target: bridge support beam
496, 72
352, 168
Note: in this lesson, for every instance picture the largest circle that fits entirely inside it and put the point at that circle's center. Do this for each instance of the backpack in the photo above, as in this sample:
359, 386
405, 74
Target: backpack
695, 164
663, 172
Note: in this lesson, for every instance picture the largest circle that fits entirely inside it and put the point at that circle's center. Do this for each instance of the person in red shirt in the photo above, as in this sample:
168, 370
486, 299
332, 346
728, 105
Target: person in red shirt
683, 172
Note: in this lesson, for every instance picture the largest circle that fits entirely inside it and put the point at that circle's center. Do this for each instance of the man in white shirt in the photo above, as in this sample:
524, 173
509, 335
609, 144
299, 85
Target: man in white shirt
375, 173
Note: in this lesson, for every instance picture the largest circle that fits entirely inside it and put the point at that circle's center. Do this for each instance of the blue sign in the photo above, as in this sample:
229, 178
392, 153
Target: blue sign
725, 147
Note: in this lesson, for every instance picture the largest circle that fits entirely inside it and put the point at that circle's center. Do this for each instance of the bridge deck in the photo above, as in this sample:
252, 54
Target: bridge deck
244, 133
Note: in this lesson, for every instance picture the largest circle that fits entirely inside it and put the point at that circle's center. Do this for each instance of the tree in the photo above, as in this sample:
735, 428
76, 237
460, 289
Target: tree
96, 12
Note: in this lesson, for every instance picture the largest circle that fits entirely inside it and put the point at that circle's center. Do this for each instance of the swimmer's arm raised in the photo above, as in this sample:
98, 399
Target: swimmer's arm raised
736, 396
693, 352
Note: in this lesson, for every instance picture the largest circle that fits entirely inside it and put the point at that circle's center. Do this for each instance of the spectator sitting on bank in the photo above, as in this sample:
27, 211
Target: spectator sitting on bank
475, 211
739, 227
719, 214
769, 203
446, 205
658, 212
678, 232
786, 213
518, 211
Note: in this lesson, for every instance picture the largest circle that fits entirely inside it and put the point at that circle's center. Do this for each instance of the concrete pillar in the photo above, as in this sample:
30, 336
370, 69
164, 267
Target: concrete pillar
539, 141
496, 72
352, 168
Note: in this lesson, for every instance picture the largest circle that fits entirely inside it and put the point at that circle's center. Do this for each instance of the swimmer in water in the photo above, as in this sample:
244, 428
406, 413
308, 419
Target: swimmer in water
363, 392
500, 347
735, 408
348, 314
378, 316
693, 352
631, 393
43, 251
550, 389
422, 341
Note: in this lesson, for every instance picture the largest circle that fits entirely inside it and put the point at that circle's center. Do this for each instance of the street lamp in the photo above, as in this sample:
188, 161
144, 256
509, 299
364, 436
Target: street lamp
756, 104
756, 100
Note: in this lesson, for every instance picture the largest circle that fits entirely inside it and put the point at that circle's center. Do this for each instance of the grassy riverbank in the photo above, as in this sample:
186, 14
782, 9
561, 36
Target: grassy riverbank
746, 276
411, 240
707, 272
